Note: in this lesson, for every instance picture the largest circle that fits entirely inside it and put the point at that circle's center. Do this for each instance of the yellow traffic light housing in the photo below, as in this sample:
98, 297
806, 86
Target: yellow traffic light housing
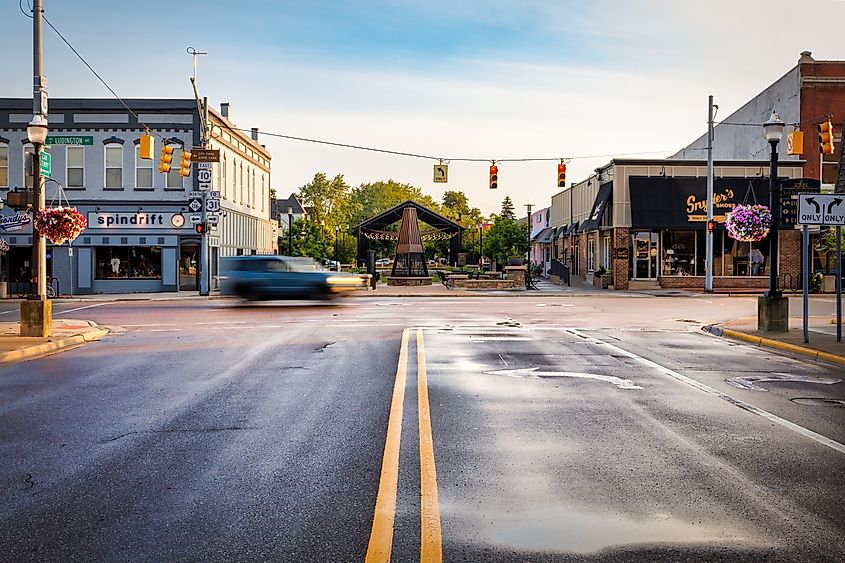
795, 142
166, 159
146, 147
826, 137
494, 177
185, 164
561, 175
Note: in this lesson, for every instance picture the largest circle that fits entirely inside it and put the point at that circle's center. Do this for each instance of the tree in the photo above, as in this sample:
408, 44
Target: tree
506, 239
309, 239
507, 209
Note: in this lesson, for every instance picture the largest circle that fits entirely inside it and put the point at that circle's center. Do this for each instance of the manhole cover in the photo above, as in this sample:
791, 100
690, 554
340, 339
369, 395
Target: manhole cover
819, 401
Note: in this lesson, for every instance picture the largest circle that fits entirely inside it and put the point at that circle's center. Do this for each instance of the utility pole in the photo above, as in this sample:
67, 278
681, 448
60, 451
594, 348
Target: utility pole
36, 312
708, 234
204, 262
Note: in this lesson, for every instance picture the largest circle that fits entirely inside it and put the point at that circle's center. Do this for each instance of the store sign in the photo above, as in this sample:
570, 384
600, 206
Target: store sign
681, 203
107, 220
9, 223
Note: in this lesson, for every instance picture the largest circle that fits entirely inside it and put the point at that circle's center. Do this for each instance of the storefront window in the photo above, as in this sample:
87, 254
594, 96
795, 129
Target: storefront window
591, 254
605, 253
128, 262
685, 252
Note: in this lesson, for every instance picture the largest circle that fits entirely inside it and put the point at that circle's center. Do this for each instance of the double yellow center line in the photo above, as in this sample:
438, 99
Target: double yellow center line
381, 536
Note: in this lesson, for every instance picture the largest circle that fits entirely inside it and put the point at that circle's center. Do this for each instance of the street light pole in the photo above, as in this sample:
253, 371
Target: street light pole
36, 313
290, 231
773, 307
528, 206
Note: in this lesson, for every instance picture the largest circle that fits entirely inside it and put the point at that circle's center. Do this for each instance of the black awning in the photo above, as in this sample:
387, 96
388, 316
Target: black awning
599, 205
547, 235
559, 232
572, 228
539, 236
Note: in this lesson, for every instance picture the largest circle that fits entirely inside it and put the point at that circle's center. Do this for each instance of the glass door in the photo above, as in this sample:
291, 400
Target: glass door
644, 246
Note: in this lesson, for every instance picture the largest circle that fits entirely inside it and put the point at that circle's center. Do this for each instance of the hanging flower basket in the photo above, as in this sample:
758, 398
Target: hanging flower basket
749, 223
59, 223
4, 247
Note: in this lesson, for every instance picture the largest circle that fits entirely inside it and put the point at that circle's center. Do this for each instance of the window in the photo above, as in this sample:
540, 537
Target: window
114, 166
223, 186
174, 180
605, 253
678, 253
28, 153
143, 170
262, 192
4, 165
75, 158
128, 262
591, 254
241, 184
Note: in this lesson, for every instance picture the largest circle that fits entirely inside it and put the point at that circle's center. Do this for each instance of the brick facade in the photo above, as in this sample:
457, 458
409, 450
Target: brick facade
619, 266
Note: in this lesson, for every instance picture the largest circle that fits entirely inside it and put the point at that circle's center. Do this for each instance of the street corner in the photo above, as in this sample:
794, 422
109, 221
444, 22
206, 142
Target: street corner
67, 333
821, 348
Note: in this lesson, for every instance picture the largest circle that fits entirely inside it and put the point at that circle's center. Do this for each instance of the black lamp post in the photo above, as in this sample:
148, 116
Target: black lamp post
290, 231
774, 132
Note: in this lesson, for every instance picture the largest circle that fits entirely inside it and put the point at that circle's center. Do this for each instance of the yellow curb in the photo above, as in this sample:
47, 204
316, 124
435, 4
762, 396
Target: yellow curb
36, 350
785, 346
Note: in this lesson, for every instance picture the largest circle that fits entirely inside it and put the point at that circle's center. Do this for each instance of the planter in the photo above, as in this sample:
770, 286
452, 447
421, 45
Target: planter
749, 223
59, 223
601, 281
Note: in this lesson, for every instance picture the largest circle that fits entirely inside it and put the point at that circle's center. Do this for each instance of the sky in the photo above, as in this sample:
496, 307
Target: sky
465, 79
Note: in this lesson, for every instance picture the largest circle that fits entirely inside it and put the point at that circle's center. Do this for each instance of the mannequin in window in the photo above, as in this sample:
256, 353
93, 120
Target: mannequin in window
115, 265
757, 260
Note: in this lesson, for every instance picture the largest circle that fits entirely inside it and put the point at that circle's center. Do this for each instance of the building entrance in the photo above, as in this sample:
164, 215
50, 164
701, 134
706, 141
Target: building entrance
644, 253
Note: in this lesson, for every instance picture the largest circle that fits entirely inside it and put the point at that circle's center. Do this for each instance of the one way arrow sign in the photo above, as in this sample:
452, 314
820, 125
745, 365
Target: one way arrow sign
821, 209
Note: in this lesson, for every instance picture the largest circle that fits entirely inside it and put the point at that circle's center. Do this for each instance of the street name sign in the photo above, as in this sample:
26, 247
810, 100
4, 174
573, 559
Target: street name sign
69, 140
205, 155
821, 209
46, 163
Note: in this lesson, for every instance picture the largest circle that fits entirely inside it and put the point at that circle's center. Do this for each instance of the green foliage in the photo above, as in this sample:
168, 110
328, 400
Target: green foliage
507, 208
828, 241
506, 239
816, 282
308, 240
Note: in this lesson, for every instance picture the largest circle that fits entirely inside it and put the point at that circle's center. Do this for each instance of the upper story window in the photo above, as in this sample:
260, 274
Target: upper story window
75, 159
28, 154
223, 186
241, 184
114, 166
4, 166
143, 170
262, 192
174, 180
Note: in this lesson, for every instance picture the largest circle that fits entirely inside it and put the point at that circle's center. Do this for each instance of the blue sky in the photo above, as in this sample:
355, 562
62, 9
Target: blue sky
478, 79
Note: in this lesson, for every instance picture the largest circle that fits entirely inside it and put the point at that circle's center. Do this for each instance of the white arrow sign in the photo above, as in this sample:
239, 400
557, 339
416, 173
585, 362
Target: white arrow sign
821, 209
195, 219
533, 372
213, 219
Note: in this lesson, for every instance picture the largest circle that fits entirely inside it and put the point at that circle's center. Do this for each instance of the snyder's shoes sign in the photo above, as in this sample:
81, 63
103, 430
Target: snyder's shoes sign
821, 209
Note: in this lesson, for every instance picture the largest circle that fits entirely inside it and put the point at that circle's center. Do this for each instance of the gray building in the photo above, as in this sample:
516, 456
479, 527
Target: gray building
139, 236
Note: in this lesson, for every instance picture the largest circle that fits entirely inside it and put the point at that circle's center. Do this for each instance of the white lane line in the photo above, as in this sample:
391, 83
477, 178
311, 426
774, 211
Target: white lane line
7, 312
806, 432
80, 308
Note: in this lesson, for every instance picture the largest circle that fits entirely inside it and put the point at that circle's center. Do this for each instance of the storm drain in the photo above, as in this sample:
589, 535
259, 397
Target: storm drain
819, 401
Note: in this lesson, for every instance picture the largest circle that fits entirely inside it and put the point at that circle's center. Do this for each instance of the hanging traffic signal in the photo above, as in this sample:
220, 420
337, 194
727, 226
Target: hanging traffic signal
185, 164
561, 175
166, 159
494, 177
826, 137
146, 147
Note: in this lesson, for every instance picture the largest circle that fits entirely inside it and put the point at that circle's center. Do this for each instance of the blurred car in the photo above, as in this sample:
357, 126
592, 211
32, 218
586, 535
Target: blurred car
282, 277
383, 262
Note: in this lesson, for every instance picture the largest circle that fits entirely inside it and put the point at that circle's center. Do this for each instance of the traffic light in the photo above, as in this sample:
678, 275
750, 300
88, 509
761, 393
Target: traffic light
146, 147
202, 228
494, 177
185, 164
561, 175
166, 159
826, 137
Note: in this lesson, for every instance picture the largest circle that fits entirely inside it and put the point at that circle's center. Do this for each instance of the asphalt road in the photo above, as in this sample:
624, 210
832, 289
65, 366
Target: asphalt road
560, 429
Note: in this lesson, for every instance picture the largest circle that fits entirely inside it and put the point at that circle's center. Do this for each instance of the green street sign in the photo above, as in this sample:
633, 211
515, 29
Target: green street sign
46, 163
69, 140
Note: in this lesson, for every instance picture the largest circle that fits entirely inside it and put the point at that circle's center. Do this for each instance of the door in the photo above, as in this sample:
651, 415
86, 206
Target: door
189, 255
644, 247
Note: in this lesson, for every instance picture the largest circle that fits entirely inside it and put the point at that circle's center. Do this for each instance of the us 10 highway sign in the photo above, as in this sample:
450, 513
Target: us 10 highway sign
821, 209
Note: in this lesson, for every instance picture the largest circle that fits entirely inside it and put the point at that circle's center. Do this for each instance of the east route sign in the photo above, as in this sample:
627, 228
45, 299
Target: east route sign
821, 209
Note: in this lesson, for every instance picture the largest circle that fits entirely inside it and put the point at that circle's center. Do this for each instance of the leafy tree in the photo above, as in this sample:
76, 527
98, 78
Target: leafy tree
309, 240
371, 199
507, 208
506, 239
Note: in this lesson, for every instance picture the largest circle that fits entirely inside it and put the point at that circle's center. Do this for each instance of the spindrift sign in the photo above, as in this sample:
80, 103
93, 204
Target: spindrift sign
133, 220
819, 209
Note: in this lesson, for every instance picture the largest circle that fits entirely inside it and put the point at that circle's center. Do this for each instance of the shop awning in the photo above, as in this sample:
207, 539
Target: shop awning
539, 236
599, 205
559, 232
572, 229
547, 235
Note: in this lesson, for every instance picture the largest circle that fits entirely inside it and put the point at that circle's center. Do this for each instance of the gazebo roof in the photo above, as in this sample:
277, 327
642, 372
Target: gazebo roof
424, 214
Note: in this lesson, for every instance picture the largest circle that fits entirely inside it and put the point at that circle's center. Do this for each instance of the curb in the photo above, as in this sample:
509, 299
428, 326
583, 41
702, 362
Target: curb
777, 344
36, 350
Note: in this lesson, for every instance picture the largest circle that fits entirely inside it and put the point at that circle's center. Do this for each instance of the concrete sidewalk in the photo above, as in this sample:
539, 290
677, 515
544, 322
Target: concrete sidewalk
822, 344
67, 333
